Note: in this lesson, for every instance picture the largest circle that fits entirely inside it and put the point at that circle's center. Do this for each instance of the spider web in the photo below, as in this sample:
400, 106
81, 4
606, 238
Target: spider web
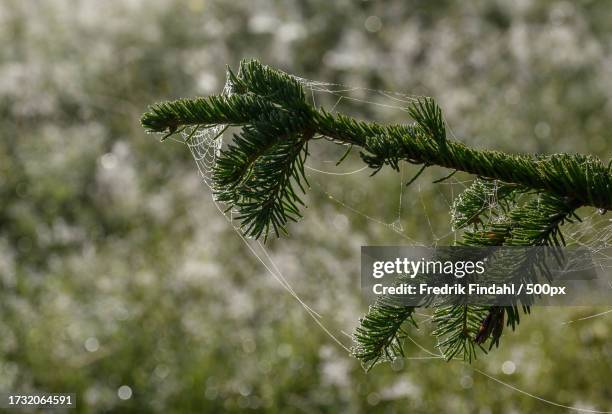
594, 231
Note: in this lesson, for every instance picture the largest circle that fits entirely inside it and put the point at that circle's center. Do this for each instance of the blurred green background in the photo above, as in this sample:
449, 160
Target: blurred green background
120, 280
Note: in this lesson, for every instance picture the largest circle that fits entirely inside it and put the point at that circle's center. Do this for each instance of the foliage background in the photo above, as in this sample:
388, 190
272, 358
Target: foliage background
117, 270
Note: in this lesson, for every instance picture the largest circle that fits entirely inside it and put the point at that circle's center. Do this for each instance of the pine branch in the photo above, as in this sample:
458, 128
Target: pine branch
535, 223
262, 89
483, 200
491, 209
260, 172
213, 110
379, 337
457, 326
271, 84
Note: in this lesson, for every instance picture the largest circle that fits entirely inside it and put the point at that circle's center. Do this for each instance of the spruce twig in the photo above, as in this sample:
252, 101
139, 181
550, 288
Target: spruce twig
261, 172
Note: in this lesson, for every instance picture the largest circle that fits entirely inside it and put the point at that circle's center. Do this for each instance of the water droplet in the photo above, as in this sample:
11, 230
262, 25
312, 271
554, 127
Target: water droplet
508, 367
373, 398
466, 381
373, 24
92, 344
542, 129
162, 371
109, 161
124, 392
